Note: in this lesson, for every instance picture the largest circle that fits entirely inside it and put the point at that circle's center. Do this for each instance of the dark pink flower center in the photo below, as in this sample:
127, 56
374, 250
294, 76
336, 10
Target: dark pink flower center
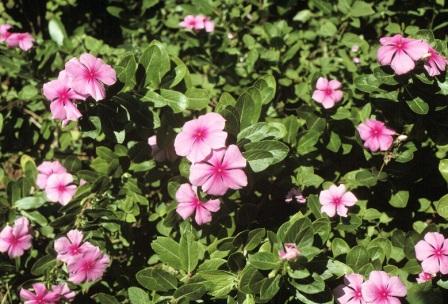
383, 293
73, 249
358, 294
88, 266
200, 134
91, 74
376, 131
328, 91
61, 188
64, 95
219, 169
337, 200
438, 252
12, 240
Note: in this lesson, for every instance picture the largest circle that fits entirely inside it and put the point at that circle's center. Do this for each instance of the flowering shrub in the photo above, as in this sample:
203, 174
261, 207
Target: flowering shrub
223, 152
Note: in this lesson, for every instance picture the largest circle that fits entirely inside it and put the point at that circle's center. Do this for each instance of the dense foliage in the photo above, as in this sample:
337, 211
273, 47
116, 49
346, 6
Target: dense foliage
268, 239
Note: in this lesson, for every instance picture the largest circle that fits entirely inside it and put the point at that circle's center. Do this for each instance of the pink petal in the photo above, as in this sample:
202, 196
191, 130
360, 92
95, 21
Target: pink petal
57, 110
416, 49
212, 205
322, 83
75, 236
185, 194
396, 287
67, 195
199, 151
444, 264
215, 186
235, 179
233, 158
318, 96
325, 197
341, 210
334, 84
203, 216
212, 121
185, 210
435, 239
26, 294
217, 140
183, 143
385, 54
107, 74
349, 199
402, 63
200, 173
329, 209
328, 102
385, 142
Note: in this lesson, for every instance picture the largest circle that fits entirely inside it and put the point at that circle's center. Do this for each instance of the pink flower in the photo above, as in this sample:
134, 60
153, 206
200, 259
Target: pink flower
46, 169
71, 246
356, 60
435, 64
63, 292
190, 203
351, 292
4, 32
380, 288
22, 40
88, 267
60, 189
433, 252
376, 135
289, 252
221, 171
424, 277
203, 22
40, 296
336, 200
89, 75
62, 96
327, 93
158, 154
199, 136
16, 239
189, 22
401, 53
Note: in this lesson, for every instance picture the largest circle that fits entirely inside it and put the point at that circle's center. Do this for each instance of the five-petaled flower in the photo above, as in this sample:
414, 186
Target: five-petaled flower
41, 295
71, 246
424, 277
23, 40
45, 170
60, 188
16, 240
381, 288
88, 267
376, 135
336, 199
327, 92
432, 251
351, 291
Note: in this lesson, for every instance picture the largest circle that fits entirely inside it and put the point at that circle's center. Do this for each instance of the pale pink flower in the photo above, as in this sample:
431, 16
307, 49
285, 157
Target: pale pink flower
46, 169
356, 60
376, 135
63, 292
221, 171
71, 246
190, 203
435, 63
433, 252
199, 136
289, 252
89, 75
335, 200
381, 288
401, 53
60, 188
62, 97
190, 22
88, 267
424, 277
40, 296
23, 40
159, 154
351, 291
204, 22
16, 239
327, 92
4, 32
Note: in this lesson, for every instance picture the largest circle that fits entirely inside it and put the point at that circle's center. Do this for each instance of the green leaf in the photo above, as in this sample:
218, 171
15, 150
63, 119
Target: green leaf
443, 168
399, 199
138, 295
156, 63
104, 298
249, 107
190, 291
197, 99
308, 142
269, 288
264, 260
57, 31
177, 101
418, 105
442, 206
339, 246
250, 280
156, 279
42, 265
357, 257
263, 154
168, 251
305, 177
219, 283
126, 69
29, 202
189, 252
361, 9
262, 130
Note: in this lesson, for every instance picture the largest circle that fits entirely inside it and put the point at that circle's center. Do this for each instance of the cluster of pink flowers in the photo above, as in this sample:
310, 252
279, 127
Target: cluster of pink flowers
197, 23
85, 262
402, 53
380, 288
22, 40
215, 168
83, 77
60, 293
335, 200
16, 239
432, 251
57, 183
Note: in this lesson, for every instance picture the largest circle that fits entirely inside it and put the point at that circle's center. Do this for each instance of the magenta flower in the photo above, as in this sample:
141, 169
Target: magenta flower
335, 200
23, 40
60, 188
40, 296
289, 252
190, 22
380, 288
190, 203
63, 292
433, 252
16, 239
401, 53
4, 32
376, 135
88, 267
221, 171
327, 92
424, 277
89, 75
71, 246
159, 154
46, 169
435, 64
351, 291
199, 136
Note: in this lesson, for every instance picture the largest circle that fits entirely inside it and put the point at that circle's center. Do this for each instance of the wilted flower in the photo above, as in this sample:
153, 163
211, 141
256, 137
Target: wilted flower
351, 291
16, 239
60, 188
327, 92
424, 277
46, 169
296, 194
40, 296
376, 135
435, 63
289, 252
382, 288
23, 40
335, 200
63, 292
433, 252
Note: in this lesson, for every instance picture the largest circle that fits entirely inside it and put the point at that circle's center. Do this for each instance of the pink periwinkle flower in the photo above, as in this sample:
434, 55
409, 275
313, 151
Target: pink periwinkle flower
351, 291
23, 40
62, 97
189, 22
4, 32
41, 295
46, 169
159, 154
401, 53
199, 136
381, 288
290, 252
63, 292
376, 135
89, 75
190, 203
88, 267
16, 240
221, 171
60, 188
432, 251
435, 63
335, 200
327, 92
71, 246
424, 277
